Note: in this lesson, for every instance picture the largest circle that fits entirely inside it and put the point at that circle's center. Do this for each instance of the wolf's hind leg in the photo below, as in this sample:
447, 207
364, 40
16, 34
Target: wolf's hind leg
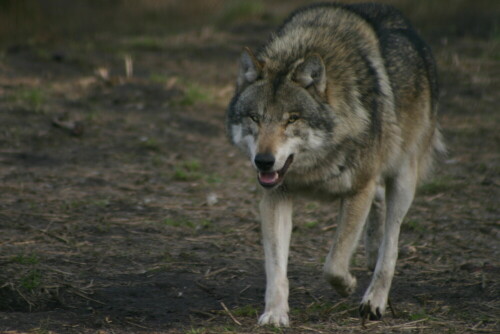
352, 217
400, 191
374, 229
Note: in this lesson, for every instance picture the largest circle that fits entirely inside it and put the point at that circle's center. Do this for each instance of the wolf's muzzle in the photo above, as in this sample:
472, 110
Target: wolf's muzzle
264, 161
270, 179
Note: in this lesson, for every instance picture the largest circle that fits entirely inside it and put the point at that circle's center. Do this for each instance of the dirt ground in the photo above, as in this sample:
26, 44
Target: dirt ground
123, 209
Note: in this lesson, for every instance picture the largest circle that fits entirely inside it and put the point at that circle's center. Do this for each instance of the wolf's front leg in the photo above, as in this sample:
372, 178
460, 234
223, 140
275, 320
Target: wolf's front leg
353, 212
276, 215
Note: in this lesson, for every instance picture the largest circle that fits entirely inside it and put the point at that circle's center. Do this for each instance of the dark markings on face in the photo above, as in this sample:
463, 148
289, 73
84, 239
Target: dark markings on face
277, 82
231, 114
272, 101
292, 99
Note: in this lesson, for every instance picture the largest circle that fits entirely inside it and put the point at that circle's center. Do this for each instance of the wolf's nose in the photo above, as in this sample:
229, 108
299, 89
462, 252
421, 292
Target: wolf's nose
264, 161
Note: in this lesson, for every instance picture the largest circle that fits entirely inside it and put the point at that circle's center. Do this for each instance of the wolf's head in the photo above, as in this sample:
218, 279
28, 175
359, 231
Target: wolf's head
280, 115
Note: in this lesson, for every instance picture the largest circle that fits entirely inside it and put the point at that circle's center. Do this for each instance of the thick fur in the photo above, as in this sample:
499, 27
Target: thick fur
340, 104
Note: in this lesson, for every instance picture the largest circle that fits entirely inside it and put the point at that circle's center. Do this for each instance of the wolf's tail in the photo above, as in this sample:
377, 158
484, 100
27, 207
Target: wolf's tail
437, 149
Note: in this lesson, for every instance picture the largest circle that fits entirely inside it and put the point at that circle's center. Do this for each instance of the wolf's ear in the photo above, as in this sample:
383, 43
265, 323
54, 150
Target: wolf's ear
250, 69
311, 73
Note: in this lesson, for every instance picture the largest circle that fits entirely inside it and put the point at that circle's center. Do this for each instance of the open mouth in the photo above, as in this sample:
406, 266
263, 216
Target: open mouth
271, 179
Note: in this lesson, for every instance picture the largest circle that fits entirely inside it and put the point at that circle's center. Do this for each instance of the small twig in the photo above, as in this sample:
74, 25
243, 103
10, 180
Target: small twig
477, 325
41, 214
78, 293
346, 311
335, 306
213, 273
57, 270
203, 287
230, 314
393, 312
328, 228
485, 330
137, 325
206, 314
245, 289
410, 324
58, 238
25, 299
311, 329
363, 321
75, 128
129, 66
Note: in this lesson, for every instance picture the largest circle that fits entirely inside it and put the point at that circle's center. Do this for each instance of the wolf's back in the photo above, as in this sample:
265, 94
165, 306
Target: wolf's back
373, 54
323, 27
396, 33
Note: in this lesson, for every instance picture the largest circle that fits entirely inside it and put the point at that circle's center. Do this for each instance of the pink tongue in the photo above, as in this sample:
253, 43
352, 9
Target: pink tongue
268, 177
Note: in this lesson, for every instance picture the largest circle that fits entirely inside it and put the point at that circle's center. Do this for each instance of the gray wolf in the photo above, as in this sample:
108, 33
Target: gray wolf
339, 104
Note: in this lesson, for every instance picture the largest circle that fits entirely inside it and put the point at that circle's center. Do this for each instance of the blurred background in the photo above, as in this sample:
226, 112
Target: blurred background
123, 208
35, 21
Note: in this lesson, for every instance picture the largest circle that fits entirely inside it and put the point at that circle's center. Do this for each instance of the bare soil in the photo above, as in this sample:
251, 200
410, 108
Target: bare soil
123, 209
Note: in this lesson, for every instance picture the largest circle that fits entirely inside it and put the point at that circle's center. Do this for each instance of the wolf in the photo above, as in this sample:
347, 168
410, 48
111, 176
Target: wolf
340, 104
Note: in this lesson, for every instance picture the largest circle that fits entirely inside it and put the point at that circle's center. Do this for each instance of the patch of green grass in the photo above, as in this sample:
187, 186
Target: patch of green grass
205, 223
158, 161
71, 204
194, 94
312, 206
311, 224
191, 170
185, 222
158, 78
418, 316
145, 43
92, 115
150, 144
275, 329
212, 178
240, 10
191, 165
437, 186
188, 171
224, 329
33, 205
468, 316
182, 175
320, 310
102, 203
246, 311
414, 225
495, 33
31, 98
103, 227
196, 331
25, 259
43, 54
181, 222
32, 280
76, 204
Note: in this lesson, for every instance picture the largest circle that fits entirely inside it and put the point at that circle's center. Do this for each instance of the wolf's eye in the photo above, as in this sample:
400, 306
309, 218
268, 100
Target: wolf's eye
292, 119
254, 118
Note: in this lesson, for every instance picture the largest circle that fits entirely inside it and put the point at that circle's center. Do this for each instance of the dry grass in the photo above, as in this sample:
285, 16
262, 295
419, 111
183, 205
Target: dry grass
133, 224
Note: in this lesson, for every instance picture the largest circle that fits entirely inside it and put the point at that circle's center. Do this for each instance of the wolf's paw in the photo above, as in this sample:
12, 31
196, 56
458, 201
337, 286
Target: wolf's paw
371, 309
275, 318
344, 285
